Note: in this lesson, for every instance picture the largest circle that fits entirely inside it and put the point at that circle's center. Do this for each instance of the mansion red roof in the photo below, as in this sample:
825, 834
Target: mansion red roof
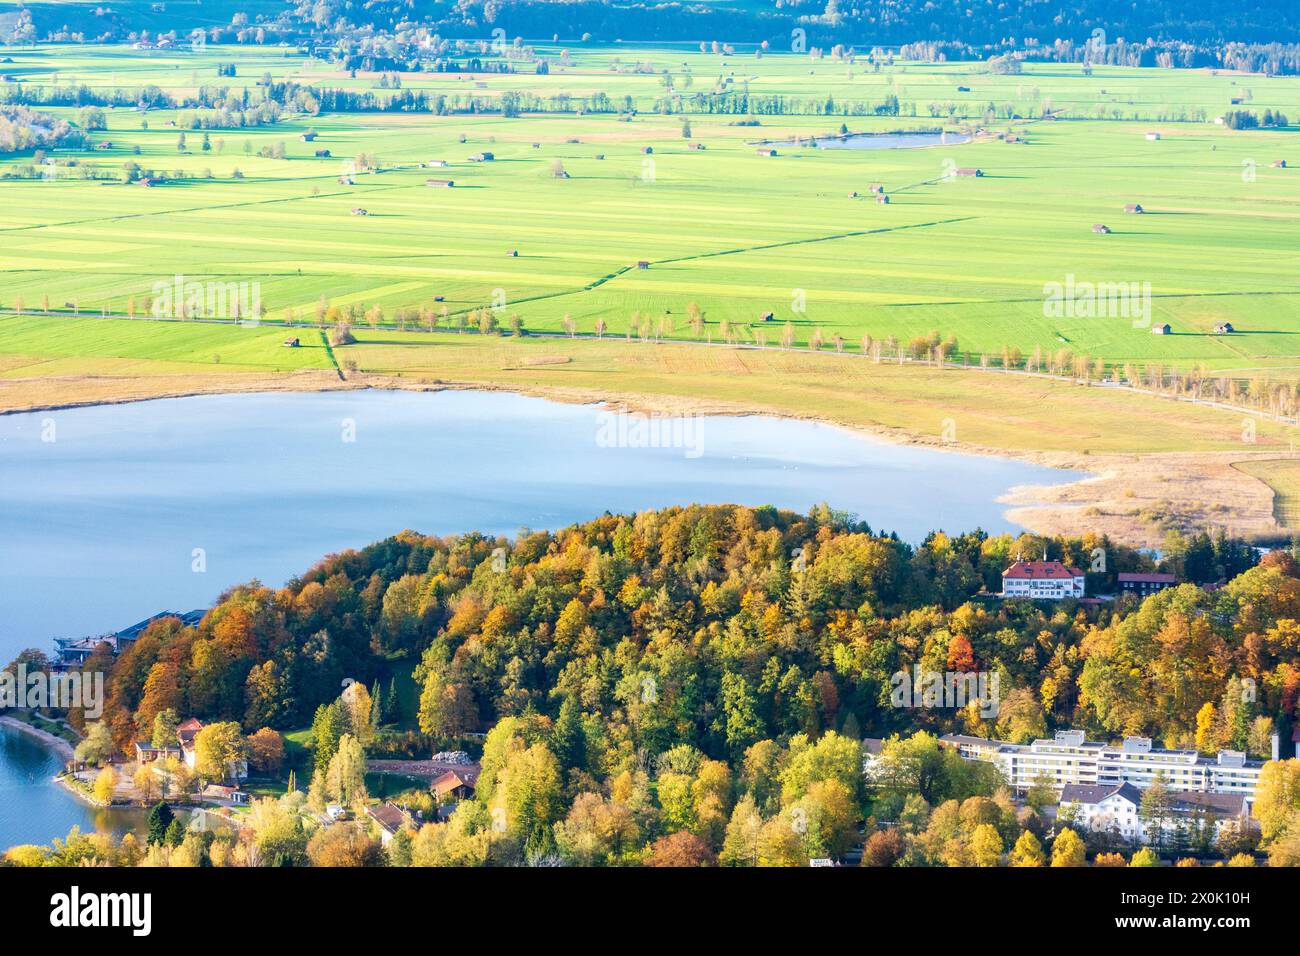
1041, 570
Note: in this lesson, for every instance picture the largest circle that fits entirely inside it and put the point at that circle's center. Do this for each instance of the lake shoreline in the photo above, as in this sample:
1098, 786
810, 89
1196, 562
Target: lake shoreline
55, 744
1116, 492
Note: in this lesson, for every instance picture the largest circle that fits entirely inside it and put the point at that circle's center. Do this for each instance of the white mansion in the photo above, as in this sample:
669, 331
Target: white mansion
1070, 759
1042, 580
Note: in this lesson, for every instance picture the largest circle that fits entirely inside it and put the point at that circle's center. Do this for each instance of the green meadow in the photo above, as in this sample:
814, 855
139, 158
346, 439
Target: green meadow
733, 232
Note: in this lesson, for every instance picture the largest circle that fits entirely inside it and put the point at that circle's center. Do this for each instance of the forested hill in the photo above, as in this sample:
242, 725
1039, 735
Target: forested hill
861, 23
749, 624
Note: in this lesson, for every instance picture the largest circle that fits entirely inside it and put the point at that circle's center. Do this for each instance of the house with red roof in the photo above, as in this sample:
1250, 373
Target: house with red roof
1042, 581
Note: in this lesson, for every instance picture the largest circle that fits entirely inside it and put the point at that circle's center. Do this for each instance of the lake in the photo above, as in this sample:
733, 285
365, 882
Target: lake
881, 141
111, 513
35, 809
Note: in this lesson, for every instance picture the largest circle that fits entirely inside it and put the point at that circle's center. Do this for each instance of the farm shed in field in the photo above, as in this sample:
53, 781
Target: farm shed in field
1135, 208
513, 254
876, 188
346, 181
969, 171
1160, 328
358, 211
768, 316
1224, 328
882, 198
322, 154
600, 155
437, 163
482, 158
440, 183
1279, 164
647, 150
853, 195
766, 151
291, 343
1153, 136
307, 137
1101, 229
963, 89
643, 264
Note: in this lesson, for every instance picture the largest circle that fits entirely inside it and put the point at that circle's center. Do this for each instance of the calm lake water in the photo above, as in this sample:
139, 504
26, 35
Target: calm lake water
34, 809
882, 141
132, 509
100, 526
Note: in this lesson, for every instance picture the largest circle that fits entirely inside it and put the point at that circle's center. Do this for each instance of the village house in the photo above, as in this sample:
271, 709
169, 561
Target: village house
187, 733
146, 752
455, 783
1042, 580
1143, 584
390, 819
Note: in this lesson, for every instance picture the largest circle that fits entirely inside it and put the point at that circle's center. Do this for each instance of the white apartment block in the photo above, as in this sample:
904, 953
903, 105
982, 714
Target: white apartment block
1070, 759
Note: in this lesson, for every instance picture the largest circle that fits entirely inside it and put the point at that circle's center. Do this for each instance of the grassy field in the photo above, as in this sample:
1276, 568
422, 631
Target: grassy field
1283, 477
95, 359
734, 232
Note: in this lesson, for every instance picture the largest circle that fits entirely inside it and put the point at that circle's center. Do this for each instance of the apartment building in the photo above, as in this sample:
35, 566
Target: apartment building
1070, 759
